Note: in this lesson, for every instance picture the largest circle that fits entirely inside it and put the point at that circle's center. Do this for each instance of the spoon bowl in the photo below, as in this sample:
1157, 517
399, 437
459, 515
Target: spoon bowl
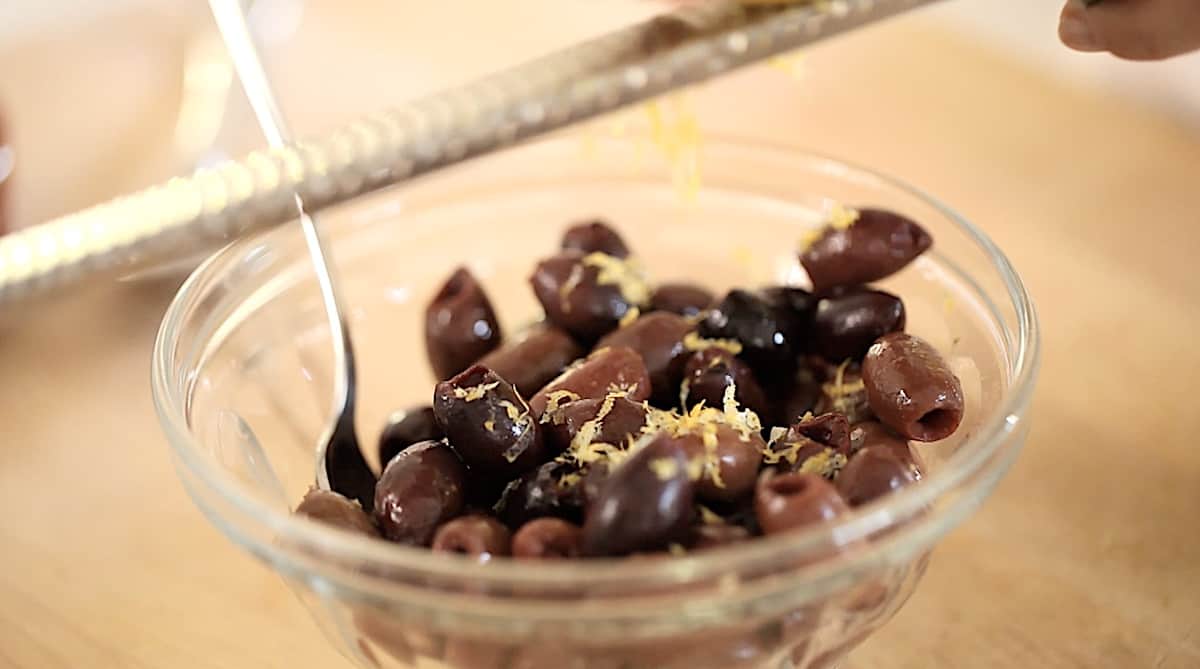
339, 463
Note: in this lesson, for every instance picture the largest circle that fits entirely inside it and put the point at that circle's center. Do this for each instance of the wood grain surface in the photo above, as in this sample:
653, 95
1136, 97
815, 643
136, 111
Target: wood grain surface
1087, 556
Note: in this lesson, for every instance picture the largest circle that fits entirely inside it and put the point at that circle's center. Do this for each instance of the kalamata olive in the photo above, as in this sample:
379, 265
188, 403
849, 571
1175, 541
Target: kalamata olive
911, 388
645, 503
333, 509
593, 479
484, 489
488, 424
658, 338
549, 490
831, 430
738, 512
406, 428
612, 420
460, 325
592, 237
685, 299
800, 300
796, 398
547, 538
874, 433
843, 392
844, 327
607, 370
872, 473
421, 488
824, 370
876, 245
814, 444
534, 360
708, 373
771, 336
477, 535
785, 502
588, 295
793, 307
730, 457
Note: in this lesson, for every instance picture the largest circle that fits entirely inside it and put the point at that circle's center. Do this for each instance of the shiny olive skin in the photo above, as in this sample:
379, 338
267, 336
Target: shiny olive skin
739, 513
540, 493
731, 463
685, 299
488, 424
547, 539
593, 479
594, 236
534, 360
406, 428
460, 325
784, 502
879, 244
796, 398
572, 294
911, 388
874, 433
831, 430
791, 303
707, 373
623, 419
658, 338
333, 509
874, 472
770, 333
793, 308
605, 370
421, 488
645, 503
812, 436
844, 327
479, 536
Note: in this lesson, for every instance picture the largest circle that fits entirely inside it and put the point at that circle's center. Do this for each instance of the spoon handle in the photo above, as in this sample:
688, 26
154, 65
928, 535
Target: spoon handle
213, 206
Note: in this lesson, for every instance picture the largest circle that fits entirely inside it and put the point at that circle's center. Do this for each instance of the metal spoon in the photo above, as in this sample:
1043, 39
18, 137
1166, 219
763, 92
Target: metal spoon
340, 463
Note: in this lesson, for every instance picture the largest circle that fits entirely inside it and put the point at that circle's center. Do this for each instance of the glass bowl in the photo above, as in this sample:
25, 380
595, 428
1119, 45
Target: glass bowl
241, 381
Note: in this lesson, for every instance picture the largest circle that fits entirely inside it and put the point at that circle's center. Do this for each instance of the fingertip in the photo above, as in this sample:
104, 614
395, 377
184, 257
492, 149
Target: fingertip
1074, 29
1143, 31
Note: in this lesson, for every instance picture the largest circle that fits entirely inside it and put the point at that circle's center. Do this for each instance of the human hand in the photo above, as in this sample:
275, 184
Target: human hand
1132, 29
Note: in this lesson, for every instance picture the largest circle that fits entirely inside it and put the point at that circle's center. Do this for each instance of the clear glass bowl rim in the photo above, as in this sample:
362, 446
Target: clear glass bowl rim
977, 457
